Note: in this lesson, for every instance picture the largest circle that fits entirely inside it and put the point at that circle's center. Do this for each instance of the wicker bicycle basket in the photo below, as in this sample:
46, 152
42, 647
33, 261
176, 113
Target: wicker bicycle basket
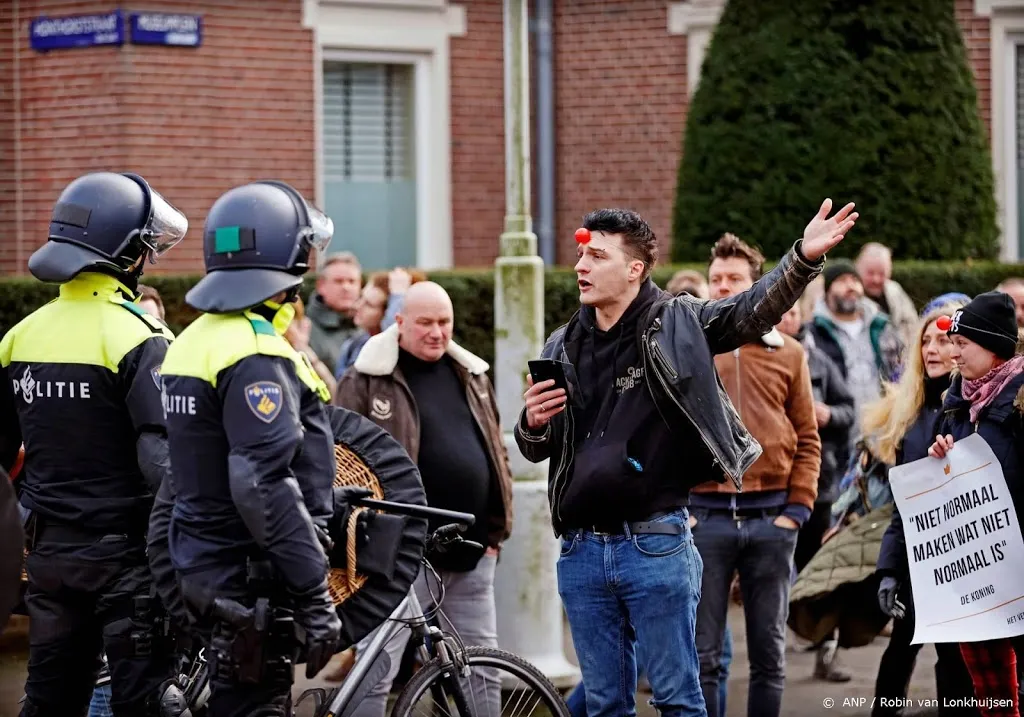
369, 457
351, 471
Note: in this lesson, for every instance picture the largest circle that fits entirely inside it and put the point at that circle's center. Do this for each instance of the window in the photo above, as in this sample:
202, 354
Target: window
1018, 159
369, 161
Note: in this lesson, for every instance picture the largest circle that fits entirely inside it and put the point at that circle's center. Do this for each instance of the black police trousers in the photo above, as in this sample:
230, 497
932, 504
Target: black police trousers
229, 698
81, 599
251, 673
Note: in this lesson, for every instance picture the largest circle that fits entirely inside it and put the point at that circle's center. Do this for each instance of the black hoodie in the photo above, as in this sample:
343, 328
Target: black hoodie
626, 465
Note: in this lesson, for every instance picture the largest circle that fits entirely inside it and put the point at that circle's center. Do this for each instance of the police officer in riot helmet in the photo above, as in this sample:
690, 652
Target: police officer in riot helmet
79, 386
253, 454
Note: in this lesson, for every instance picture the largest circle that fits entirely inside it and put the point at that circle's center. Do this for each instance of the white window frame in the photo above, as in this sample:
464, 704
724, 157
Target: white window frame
697, 20
1009, 199
407, 33
1005, 32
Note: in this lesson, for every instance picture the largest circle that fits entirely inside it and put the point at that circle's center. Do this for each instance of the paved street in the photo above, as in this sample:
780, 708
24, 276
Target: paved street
804, 696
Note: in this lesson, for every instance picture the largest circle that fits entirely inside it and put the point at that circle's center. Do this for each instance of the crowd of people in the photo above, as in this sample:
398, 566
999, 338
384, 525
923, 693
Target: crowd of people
849, 383
788, 395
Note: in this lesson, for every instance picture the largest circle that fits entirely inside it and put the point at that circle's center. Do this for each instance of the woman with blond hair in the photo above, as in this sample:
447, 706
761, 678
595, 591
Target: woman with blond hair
903, 425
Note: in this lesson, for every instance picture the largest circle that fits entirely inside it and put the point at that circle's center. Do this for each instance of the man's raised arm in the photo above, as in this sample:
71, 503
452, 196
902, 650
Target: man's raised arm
732, 322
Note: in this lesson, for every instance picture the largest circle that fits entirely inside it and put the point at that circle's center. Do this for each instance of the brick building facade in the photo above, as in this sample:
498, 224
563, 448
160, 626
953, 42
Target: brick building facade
390, 114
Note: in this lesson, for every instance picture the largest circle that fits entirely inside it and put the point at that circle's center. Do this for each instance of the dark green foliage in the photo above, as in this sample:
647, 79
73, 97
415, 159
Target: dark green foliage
870, 101
472, 293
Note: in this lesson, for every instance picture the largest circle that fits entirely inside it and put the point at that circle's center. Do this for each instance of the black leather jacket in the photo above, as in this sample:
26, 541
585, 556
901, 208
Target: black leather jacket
679, 339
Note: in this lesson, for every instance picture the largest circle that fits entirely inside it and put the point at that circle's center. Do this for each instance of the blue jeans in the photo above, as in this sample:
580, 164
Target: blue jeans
762, 553
100, 705
577, 699
629, 597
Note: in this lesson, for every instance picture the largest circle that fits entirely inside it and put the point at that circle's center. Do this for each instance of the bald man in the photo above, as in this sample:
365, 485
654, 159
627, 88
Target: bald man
435, 398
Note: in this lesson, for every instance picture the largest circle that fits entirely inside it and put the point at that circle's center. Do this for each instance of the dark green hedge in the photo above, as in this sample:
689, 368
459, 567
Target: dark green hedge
473, 294
870, 101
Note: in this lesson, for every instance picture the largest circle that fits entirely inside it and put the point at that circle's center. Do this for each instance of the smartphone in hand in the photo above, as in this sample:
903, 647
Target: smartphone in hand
545, 369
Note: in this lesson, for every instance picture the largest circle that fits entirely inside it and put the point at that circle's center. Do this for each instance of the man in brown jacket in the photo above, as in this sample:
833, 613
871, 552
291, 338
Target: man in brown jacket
435, 398
754, 532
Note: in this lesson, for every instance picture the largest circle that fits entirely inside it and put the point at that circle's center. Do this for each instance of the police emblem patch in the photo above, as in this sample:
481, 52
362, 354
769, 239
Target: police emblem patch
264, 399
157, 379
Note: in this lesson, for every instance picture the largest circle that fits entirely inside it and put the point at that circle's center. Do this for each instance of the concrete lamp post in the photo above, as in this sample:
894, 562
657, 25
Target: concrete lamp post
530, 620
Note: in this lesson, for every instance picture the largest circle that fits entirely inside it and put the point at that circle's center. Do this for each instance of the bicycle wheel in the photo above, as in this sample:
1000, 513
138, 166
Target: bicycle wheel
524, 690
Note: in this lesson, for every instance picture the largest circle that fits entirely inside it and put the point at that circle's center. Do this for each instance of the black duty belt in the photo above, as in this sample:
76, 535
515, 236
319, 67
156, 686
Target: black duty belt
642, 527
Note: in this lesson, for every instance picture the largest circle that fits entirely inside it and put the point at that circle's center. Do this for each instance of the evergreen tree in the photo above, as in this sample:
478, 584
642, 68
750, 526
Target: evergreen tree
870, 101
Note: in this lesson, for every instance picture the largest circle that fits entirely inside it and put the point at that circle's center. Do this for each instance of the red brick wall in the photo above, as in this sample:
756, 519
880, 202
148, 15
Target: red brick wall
620, 111
70, 121
478, 135
198, 121
192, 121
976, 32
8, 240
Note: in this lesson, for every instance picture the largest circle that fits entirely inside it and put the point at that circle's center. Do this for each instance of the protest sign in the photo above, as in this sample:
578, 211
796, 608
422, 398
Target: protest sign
963, 544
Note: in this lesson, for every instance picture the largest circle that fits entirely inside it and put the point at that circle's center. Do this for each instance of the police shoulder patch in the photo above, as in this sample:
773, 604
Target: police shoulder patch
155, 373
264, 399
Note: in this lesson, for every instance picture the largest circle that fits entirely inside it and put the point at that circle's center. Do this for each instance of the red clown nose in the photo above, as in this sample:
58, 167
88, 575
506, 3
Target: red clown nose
943, 323
582, 235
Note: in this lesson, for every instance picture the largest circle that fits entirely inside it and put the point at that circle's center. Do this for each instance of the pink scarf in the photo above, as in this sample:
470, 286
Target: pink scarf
981, 391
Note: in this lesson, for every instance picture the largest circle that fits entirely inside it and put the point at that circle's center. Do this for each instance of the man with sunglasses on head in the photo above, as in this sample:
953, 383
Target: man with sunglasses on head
78, 386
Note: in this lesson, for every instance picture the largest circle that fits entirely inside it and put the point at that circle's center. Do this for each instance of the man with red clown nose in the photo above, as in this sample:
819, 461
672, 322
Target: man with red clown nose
645, 420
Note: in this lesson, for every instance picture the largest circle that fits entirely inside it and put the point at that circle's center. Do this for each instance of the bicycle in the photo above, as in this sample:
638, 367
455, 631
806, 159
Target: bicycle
447, 664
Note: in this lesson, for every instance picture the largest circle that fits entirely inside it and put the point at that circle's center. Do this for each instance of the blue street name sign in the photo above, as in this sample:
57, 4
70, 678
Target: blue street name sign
58, 33
154, 28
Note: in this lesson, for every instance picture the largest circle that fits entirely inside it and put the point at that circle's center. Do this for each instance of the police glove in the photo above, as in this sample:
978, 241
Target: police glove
346, 495
324, 538
316, 614
337, 528
887, 598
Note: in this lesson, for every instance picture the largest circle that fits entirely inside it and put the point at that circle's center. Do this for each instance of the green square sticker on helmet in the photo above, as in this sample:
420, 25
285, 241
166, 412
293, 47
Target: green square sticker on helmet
227, 240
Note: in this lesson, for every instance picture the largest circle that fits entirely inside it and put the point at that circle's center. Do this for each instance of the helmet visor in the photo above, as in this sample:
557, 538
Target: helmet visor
166, 227
320, 229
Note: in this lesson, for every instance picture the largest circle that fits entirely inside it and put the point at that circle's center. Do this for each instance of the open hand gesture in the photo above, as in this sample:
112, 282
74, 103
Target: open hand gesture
823, 233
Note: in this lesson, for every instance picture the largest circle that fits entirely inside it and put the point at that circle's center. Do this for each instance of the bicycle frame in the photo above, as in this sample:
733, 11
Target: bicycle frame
408, 609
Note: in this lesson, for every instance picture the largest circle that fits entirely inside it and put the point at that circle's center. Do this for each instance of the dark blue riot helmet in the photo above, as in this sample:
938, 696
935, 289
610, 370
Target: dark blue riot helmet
107, 222
256, 244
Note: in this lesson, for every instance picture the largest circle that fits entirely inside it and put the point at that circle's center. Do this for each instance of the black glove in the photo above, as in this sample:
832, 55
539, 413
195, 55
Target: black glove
337, 526
316, 614
887, 598
346, 495
325, 539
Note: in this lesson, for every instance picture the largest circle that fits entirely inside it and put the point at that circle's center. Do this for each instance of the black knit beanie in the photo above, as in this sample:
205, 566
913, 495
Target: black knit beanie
833, 270
990, 321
